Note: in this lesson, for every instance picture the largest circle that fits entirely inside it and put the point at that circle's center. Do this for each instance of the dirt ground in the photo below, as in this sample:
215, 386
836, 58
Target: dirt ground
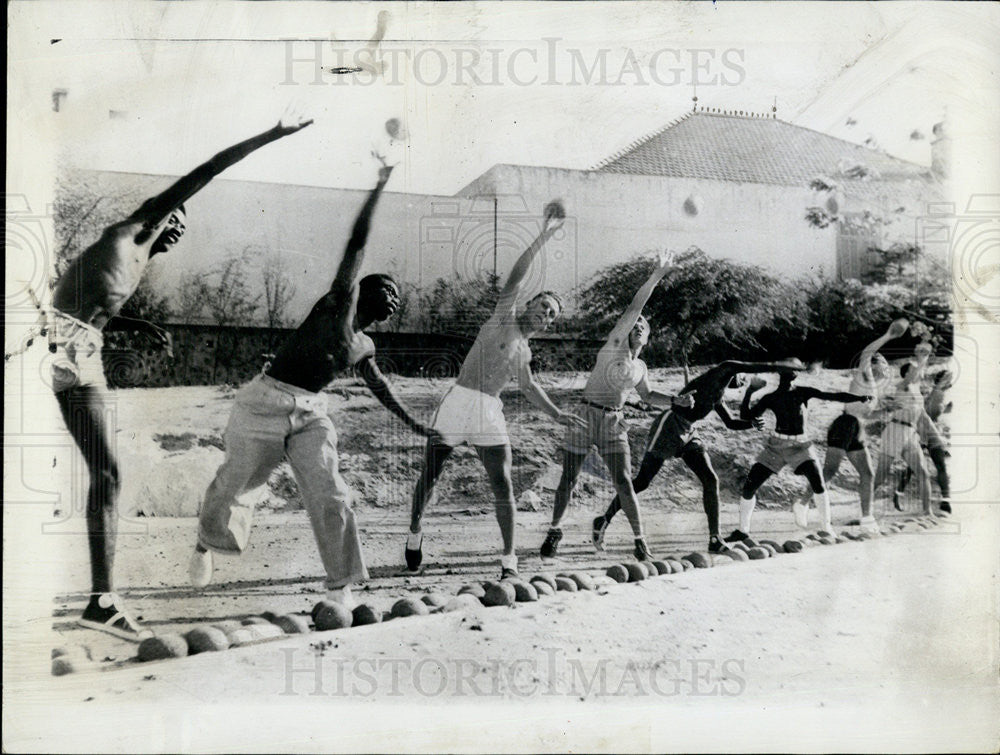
888, 644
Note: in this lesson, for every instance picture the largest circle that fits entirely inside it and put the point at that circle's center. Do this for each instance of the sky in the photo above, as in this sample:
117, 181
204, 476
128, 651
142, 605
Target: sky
160, 87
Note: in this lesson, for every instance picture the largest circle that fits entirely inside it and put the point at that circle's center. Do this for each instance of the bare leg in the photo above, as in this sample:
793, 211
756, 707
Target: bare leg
572, 463
434, 458
699, 462
648, 469
863, 463
914, 457
620, 466
497, 460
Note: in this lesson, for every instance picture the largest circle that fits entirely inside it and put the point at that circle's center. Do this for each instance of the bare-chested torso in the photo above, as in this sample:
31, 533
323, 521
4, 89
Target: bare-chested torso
102, 277
615, 374
323, 346
499, 352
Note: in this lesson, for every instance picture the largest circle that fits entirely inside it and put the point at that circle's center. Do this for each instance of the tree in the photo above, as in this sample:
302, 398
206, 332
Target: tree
456, 306
278, 292
702, 300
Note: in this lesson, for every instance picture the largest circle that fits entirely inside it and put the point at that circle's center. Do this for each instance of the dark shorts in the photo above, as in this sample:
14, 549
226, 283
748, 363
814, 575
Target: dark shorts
670, 436
846, 433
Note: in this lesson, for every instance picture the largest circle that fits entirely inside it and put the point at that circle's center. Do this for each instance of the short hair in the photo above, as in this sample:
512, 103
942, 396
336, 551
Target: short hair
371, 283
904, 369
551, 294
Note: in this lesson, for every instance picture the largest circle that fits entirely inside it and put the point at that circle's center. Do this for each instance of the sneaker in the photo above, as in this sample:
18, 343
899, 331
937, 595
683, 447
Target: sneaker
801, 513
869, 526
105, 613
343, 596
414, 555
715, 545
597, 533
895, 501
551, 544
201, 567
945, 507
642, 550
508, 567
508, 573
738, 536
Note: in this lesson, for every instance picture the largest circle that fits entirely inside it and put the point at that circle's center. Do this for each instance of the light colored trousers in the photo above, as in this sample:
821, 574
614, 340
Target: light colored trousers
269, 421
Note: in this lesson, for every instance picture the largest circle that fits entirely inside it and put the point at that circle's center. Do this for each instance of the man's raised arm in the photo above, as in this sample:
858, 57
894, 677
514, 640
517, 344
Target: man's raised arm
551, 224
354, 254
896, 329
841, 396
628, 319
155, 210
378, 385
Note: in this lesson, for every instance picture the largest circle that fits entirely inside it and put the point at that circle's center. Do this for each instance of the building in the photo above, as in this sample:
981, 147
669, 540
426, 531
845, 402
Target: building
737, 185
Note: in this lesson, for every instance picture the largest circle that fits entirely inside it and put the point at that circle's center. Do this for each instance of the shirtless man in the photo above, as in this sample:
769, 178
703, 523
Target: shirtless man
671, 436
471, 411
927, 428
846, 435
789, 444
85, 302
283, 412
900, 438
618, 370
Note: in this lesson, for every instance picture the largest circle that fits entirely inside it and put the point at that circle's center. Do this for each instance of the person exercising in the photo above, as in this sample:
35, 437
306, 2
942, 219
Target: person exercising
85, 302
471, 411
846, 435
283, 413
789, 444
617, 371
672, 436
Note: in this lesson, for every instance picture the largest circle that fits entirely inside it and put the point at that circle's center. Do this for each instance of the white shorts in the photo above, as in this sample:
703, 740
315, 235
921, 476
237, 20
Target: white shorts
468, 416
897, 437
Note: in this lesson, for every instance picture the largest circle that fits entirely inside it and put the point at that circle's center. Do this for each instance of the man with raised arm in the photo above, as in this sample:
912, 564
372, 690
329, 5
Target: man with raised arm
283, 412
85, 302
617, 371
846, 435
471, 411
672, 436
789, 444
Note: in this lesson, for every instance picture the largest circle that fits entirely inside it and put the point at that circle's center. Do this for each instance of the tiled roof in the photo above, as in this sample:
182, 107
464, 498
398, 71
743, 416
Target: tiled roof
764, 150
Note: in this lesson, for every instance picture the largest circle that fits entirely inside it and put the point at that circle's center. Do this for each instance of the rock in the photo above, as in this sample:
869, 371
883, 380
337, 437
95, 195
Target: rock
823, 533
502, 594
292, 623
720, 559
227, 626
257, 620
828, 540
162, 646
737, 555
66, 664
676, 567
524, 592
206, 640
529, 501
333, 615
566, 584
547, 579
699, 560
758, 553
636, 571
793, 546
582, 579
618, 573
661, 567
72, 651
647, 568
543, 588
461, 602
265, 631
364, 615
687, 564
238, 637
434, 599
409, 607
775, 545
771, 550
475, 590
740, 546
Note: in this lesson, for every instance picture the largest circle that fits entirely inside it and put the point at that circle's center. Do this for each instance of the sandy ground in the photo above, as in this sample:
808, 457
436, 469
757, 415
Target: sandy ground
881, 645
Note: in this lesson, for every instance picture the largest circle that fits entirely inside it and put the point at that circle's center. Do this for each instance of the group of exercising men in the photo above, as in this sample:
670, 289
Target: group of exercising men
282, 413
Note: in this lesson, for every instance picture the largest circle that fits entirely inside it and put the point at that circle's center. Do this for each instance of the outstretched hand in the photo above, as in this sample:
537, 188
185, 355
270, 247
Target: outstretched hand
572, 420
898, 328
665, 260
292, 120
684, 401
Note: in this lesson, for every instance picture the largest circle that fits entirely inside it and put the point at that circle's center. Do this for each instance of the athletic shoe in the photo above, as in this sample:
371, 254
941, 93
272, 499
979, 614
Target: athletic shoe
597, 533
105, 613
715, 545
895, 501
945, 507
508, 573
738, 536
508, 567
551, 544
201, 567
801, 513
869, 526
414, 556
642, 550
